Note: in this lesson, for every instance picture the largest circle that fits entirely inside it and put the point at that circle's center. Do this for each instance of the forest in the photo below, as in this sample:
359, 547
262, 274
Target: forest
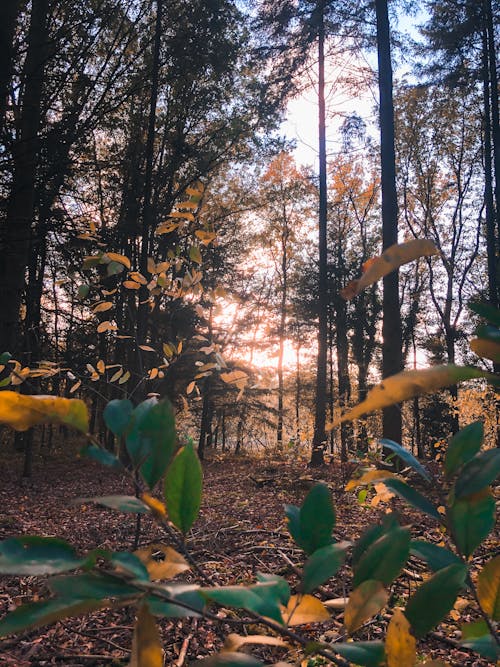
249, 333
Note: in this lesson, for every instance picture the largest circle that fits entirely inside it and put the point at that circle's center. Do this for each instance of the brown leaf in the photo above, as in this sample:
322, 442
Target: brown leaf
161, 561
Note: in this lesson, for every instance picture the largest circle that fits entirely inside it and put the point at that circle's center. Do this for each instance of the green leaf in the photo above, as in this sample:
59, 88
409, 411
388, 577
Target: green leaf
406, 456
371, 534
311, 527
229, 660
486, 311
5, 357
129, 504
114, 268
478, 473
37, 555
102, 456
263, 599
129, 562
414, 498
322, 565
434, 598
92, 586
471, 520
436, 557
385, 558
83, 291
486, 646
463, 446
183, 488
183, 593
117, 416
488, 332
157, 429
137, 447
280, 588
195, 254
36, 614
368, 654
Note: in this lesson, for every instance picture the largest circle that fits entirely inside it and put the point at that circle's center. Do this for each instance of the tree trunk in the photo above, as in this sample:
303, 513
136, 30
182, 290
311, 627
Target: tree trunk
282, 334
9, 11
319, 438
491, 241
147, 210
392, 361
495, 115
17, 233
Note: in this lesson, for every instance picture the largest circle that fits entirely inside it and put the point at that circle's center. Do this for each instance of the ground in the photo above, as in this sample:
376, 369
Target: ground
240, 531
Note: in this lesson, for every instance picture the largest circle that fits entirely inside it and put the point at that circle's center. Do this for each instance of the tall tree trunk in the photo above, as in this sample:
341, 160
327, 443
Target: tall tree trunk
9, 11
491, 240
147, 210
392, 360
282, 333
17, 233
319, 438
495, 114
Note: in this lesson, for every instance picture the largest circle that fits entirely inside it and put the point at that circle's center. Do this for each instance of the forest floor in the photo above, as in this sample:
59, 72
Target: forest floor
240, 531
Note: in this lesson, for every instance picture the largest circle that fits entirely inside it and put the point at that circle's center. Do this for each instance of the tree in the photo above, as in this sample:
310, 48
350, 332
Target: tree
284, 195
392, 361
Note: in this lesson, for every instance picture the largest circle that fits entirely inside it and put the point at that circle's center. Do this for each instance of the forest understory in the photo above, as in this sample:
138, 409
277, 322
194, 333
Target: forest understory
240, 531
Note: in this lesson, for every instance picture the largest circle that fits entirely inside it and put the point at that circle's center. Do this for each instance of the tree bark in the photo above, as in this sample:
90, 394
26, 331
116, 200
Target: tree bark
392, 361
17, 233
9, 11
319, 438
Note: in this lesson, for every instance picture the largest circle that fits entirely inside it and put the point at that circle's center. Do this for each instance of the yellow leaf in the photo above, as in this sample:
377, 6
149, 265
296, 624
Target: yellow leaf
234, 377
488, 349
146, 645
364, 602
179, 347
101, 367
115, 257
153, 373
162, 267
188, 204
166, 227
390, 260
124, 378
21, 412
151, 265
488, 588
304, 609
368, 477
205, 237
234, 642
101, 307
147, 348
106, 326
109, 292
190, 387
75, 387
156, 506
400, 645
409, 384
116, 375
138, 277
131, 284
336, 603
161, 561
168, 351
183, 215
382, 495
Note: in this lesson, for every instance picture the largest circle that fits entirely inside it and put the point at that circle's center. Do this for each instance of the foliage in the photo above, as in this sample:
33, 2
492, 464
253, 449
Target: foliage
106, 579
